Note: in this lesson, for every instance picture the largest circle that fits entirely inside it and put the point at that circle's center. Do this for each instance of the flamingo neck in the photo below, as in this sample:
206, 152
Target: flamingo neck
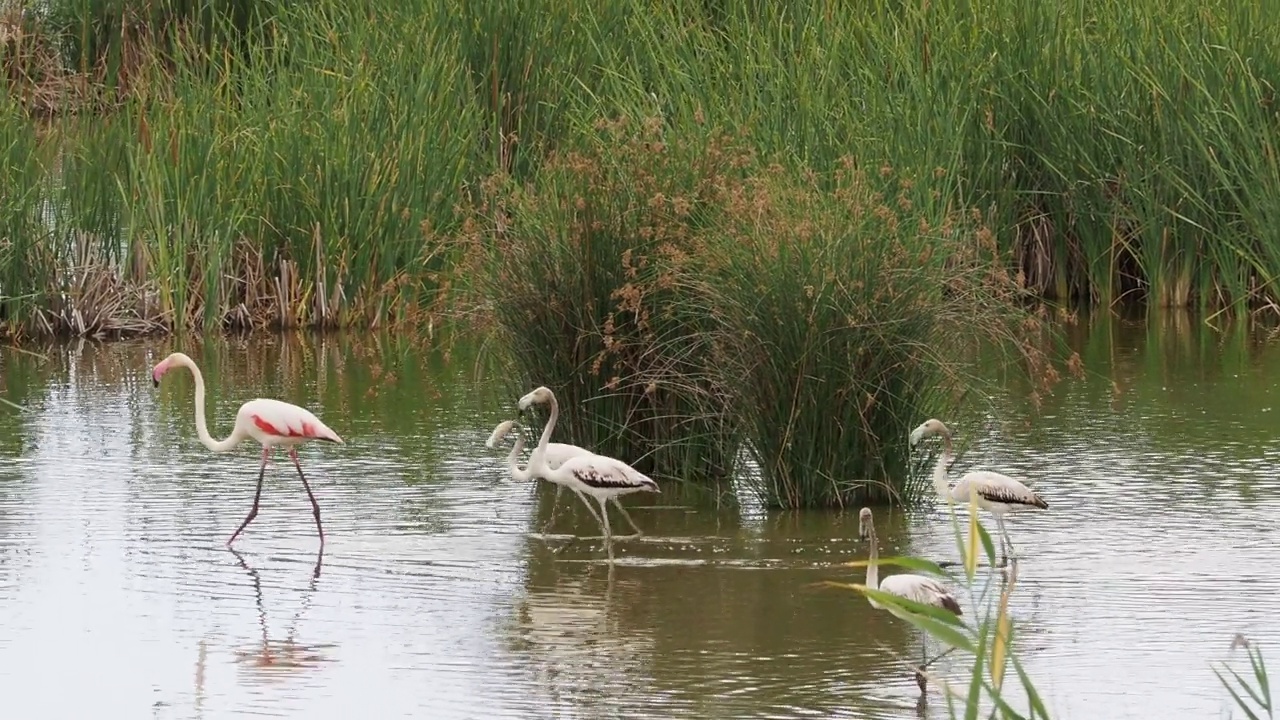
202, 429
873, 569
941, 483
537, 459
512, 465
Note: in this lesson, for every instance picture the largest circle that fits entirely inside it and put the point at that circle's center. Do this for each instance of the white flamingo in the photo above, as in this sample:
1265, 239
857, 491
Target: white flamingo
920, 588
992, 491
599, 476
557, 453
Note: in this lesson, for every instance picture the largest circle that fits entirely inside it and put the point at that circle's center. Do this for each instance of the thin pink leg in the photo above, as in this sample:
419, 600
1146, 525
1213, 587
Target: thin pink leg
253, 512
315, 506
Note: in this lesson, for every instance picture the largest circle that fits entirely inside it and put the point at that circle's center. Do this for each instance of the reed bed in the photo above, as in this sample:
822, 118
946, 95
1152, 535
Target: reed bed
689, 299
728, 271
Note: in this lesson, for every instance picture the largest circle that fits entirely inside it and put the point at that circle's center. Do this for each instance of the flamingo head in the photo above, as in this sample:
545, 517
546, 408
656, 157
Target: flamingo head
499, 433
540, 394
166, 365
865, 527
928, 428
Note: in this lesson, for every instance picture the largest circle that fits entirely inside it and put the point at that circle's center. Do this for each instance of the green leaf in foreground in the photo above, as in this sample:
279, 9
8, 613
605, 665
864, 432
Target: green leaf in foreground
911, 563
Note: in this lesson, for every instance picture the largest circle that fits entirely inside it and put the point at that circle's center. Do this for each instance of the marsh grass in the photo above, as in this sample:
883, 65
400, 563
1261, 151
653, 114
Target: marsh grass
249, 196
686, 298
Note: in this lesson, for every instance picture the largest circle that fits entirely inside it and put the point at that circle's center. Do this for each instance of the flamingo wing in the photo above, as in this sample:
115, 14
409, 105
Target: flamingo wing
606, 473
558, 453
281, 420
921, 589
999, 488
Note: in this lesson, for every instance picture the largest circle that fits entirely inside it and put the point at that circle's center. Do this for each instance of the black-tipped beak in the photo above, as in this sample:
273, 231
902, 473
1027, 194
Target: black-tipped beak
155, 382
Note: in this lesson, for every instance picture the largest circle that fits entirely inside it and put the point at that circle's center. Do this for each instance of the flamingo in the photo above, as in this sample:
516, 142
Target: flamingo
994, 492
558, 452
920, 588
271, 422
599, 476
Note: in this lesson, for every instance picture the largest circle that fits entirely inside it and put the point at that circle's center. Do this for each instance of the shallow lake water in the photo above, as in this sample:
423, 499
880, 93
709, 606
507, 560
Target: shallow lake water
437, 596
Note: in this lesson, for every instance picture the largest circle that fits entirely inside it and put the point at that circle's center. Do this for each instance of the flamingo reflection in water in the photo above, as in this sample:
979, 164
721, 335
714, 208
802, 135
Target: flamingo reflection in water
275, 657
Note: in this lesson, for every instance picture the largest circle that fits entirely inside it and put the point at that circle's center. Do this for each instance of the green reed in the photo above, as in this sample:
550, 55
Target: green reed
319, 192
27, 256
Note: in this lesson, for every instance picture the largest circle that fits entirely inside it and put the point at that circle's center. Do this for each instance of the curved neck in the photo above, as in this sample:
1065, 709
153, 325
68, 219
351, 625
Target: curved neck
873, 570
202, 429
512, 465
941, 484
538, 457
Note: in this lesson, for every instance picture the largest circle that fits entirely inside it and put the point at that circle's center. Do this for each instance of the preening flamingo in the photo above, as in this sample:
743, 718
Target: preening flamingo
271, 422
599, 476
920, 588
994, 492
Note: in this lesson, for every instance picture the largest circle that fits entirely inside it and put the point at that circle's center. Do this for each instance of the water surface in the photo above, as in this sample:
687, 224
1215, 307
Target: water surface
437, 596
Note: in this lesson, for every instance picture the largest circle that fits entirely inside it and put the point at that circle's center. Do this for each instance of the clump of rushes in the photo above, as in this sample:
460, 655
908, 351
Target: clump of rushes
851, 306
592, 280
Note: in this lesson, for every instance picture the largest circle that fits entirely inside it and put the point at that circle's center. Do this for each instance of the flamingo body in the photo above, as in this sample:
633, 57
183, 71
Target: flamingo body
555, 455
278, 423
921, 589
996, 492
603, 476
273, 423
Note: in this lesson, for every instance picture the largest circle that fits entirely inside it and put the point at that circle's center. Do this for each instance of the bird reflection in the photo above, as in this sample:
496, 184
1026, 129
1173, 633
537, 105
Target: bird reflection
281, 656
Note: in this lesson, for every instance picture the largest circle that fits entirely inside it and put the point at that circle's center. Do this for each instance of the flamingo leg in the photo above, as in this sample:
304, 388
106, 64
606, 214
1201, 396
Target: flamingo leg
315, 506
587, 502
555, 505
604, 523
936, 659
257, 495
1008, 542
637, 531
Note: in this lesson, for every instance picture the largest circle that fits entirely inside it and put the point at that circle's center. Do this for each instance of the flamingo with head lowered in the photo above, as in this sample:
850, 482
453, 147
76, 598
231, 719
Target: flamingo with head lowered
271, 422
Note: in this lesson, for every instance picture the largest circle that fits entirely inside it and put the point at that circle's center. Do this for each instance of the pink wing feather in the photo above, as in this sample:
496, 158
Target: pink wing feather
285, 420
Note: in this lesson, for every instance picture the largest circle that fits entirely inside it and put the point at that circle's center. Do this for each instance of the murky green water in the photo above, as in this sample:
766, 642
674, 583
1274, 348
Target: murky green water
120, 599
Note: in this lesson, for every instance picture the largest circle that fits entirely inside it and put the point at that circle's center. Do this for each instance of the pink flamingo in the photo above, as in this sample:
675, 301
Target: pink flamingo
271, 422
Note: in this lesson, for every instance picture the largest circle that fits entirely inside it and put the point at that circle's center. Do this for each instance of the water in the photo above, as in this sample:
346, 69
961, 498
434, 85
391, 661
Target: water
436, 597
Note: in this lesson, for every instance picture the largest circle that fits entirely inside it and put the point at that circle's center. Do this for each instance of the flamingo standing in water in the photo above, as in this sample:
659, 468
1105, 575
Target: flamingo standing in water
556, 454
599, 476
920, 588
271, 422
994, 492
